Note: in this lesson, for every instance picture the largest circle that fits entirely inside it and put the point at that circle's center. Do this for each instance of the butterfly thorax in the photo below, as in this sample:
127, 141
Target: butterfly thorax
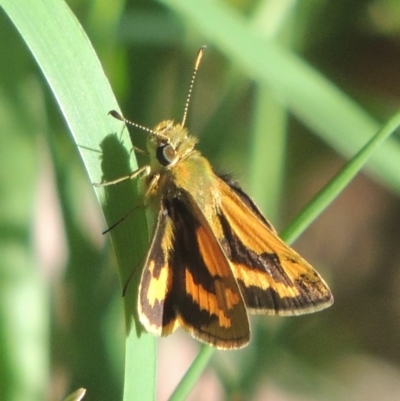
177, 167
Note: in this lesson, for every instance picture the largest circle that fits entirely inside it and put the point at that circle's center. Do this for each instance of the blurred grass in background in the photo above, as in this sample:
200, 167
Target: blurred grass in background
68, 324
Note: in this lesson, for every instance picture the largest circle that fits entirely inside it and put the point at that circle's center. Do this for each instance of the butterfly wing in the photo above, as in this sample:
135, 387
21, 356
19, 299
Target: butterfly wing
187, 280
272, 277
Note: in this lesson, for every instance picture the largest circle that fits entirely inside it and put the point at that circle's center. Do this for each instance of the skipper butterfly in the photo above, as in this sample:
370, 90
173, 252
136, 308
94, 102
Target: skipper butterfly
213, 256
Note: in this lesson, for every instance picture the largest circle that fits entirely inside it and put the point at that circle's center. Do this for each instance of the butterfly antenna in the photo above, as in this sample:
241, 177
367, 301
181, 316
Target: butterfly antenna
118, 116
189, 95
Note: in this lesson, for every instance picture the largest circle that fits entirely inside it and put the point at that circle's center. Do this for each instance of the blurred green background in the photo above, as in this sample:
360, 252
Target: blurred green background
61, 311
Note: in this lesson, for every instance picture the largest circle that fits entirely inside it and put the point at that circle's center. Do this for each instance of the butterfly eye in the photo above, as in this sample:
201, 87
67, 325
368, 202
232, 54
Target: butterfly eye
166, 154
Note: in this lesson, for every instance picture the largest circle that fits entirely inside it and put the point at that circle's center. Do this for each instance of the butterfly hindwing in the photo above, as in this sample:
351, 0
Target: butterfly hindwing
272, 277
188, 281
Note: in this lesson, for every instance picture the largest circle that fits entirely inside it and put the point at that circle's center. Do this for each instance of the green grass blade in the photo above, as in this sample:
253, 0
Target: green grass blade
266, 174
272, 22
135, 360
70, 66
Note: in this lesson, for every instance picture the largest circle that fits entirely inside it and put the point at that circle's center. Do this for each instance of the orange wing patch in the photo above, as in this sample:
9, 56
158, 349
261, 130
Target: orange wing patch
218, 304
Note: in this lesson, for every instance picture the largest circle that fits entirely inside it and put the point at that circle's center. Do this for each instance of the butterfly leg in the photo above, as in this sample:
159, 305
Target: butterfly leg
145, 170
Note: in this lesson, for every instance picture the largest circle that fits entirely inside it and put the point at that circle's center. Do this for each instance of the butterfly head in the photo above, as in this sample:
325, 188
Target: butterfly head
168, 143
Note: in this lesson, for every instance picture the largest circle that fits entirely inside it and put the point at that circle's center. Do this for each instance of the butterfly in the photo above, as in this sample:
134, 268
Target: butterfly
213, 256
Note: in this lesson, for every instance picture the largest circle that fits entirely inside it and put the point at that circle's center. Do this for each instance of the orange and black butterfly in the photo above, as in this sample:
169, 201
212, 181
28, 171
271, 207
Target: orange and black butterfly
213, 256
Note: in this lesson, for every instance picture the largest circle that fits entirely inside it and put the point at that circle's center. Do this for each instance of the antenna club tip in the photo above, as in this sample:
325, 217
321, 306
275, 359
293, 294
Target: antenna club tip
199, 56
116, 115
